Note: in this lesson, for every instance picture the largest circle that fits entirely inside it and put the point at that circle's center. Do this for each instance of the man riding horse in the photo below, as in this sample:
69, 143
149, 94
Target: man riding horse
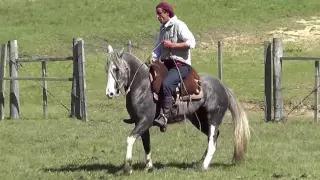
173, 49
126, 72
177, 40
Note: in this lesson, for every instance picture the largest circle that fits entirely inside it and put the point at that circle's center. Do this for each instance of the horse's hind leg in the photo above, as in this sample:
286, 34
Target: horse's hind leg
214, 120
212, 142
216, 144
201, 121
147, 149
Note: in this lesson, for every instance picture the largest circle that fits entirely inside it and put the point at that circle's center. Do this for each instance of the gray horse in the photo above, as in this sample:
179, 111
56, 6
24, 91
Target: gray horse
129, 75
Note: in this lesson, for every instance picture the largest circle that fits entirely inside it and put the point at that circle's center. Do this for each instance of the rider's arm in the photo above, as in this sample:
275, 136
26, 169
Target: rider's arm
186, 36
156, 52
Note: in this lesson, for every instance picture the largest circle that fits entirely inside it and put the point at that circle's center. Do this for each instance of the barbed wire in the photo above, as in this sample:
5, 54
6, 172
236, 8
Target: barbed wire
18, 64
295, 89
104, 47
284, 118
63, 72
247, 79
241, 63
40, 84
67, 68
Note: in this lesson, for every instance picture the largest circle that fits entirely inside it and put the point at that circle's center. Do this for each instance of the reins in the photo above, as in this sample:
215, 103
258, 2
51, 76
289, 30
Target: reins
135, 74
128, 90
129, 87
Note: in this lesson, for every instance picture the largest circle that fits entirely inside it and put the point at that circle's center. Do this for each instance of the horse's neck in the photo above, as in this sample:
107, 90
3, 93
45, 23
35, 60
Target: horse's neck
138, 72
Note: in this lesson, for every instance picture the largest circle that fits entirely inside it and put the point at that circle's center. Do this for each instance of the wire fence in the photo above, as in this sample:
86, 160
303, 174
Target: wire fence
243, 73
241, 63
292, 80
25, 67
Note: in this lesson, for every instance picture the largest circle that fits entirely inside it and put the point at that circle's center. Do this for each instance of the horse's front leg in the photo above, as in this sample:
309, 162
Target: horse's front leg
140, 128
147, 149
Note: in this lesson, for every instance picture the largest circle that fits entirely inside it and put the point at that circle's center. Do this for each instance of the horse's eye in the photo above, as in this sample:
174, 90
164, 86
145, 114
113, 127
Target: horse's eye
114, 68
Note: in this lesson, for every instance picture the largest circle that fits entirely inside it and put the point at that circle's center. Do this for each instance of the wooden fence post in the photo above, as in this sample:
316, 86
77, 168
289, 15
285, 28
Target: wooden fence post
44, 89
3, 61
277, 76
75, 93
316, 92
14, 84
267, 80
129, 47
220, 60
82, 80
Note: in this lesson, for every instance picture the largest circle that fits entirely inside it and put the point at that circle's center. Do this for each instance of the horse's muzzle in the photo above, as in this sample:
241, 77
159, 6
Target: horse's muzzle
111, 94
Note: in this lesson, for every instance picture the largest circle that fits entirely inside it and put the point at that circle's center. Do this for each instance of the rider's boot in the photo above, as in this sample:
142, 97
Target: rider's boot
162, 120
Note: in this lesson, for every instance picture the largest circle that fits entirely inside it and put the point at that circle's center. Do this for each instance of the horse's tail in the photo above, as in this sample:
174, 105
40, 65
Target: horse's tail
241, 128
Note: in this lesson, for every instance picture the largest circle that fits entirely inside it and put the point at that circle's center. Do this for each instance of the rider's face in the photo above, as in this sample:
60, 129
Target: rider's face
162, 16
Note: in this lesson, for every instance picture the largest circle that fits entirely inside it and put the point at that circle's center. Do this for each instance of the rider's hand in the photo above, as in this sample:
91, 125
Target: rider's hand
167, 43
150, 61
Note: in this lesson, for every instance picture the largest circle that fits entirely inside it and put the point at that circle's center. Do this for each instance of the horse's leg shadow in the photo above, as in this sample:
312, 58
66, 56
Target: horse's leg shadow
110, 168
118, 169
191, 165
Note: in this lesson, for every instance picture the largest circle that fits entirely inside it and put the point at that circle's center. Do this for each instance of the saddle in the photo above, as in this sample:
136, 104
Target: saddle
190, 89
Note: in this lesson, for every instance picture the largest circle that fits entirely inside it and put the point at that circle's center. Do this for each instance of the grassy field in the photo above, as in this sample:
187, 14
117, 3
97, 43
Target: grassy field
64, 149
60, 148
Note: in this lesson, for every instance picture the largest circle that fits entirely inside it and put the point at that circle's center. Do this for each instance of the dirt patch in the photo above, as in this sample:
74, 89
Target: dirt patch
244, 39
303, 31
292, 109
300, 31
310, 31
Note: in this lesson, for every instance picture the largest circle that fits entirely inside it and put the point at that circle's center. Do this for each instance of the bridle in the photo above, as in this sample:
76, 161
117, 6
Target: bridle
121, 84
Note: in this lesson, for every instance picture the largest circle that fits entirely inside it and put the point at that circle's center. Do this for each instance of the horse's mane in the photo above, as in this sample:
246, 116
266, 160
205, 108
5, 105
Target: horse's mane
133, 57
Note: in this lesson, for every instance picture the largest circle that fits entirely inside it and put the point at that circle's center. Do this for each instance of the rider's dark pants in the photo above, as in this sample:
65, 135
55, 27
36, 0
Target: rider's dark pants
170, 83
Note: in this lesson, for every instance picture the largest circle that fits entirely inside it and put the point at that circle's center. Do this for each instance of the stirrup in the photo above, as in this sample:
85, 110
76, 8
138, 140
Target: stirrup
161, 115
163, 128
163, 123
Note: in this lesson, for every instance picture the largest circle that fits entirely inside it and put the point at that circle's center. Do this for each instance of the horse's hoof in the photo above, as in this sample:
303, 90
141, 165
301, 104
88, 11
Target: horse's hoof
129, 121
127, 170
163, 129
204, 169
200, 168
148, 169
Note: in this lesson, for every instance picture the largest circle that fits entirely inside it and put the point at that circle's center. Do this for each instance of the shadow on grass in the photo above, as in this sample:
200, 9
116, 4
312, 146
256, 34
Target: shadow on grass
115, 169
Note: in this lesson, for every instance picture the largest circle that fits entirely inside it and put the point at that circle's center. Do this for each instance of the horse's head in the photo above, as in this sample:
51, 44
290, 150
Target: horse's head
116, 71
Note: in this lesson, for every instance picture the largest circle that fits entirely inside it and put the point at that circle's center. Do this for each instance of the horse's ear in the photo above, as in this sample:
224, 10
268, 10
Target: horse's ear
110, 49
121, 52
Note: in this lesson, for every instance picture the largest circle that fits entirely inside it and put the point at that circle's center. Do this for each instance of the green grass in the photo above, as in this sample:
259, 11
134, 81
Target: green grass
46, 28
43, 25
70, 149
60, 148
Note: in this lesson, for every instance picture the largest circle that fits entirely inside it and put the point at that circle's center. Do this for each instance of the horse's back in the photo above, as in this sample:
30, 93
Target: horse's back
211, 85
210, 79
